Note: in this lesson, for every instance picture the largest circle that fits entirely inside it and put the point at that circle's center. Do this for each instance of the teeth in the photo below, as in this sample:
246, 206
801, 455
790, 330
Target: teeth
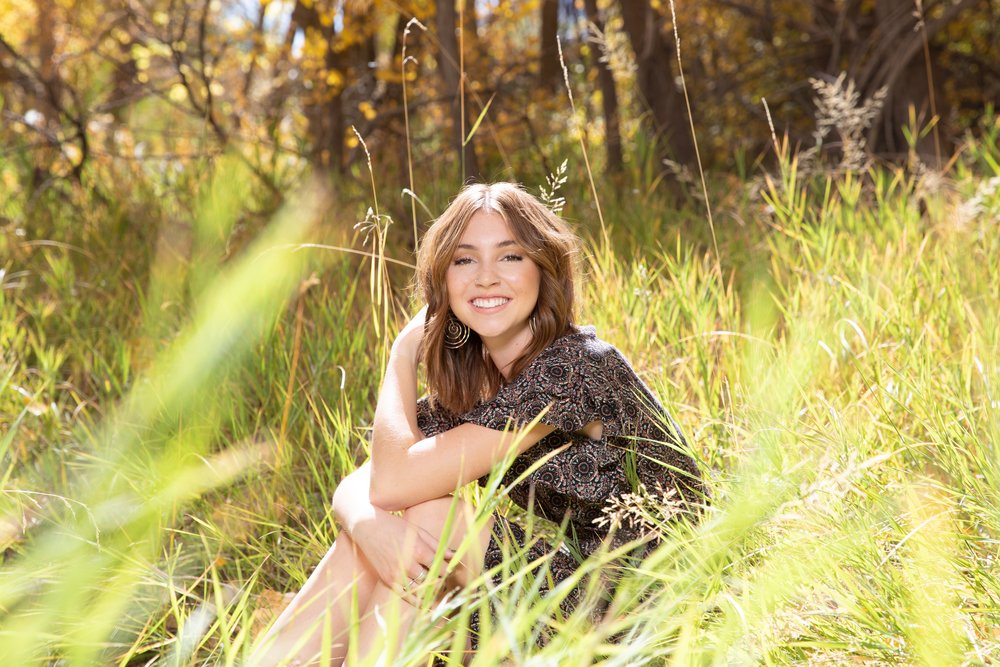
489, 303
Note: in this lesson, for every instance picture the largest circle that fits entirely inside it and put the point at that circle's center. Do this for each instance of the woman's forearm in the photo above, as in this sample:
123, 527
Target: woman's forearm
406, 468
389, 544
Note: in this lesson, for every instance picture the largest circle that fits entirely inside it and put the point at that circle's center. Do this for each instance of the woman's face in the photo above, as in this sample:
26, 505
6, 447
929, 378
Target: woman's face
492, 283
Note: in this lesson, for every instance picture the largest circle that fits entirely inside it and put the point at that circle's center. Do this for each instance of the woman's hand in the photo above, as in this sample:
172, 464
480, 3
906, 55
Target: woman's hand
399, 552
408, 341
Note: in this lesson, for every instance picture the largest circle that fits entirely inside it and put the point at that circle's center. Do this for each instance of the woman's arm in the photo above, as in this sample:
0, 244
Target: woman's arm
434, 467
351, 507
407, 468
395, 424
389, 543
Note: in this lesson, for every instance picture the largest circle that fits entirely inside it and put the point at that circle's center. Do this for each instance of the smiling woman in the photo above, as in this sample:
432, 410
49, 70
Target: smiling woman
493, 241
497, 338
493, 287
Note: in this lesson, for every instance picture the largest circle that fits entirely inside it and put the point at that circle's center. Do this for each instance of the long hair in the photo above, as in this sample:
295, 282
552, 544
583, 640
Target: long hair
458, 379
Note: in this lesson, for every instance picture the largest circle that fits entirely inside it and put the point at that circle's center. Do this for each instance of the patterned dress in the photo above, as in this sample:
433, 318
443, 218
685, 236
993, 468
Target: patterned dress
580, 379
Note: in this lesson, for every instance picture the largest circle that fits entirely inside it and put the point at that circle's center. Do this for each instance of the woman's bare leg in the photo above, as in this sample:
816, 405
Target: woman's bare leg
342, 579
385, 603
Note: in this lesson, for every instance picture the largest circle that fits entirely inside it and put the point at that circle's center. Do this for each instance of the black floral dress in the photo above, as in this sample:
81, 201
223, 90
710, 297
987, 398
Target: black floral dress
580, 379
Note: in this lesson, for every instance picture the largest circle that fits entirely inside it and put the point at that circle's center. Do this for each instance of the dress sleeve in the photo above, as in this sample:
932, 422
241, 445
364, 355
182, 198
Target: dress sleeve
433, 420
568, 378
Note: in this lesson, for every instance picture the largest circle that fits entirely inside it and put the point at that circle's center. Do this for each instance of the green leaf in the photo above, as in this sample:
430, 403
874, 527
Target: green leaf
479, 120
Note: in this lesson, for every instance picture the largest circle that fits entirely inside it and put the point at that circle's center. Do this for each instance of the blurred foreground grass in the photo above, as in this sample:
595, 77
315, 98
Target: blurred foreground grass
185, 375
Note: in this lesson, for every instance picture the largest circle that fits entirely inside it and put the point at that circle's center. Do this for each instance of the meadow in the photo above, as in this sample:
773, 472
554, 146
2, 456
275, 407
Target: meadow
187, 369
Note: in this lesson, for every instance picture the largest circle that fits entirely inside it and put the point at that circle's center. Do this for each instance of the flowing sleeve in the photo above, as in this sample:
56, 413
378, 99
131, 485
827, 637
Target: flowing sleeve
433, 420
569, 380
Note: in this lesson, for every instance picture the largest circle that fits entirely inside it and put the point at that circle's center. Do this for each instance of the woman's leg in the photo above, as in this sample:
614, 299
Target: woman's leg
385, 603
342, 579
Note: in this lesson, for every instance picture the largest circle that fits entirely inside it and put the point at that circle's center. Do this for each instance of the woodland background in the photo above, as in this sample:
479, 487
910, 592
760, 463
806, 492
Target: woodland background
791, 213
285, 84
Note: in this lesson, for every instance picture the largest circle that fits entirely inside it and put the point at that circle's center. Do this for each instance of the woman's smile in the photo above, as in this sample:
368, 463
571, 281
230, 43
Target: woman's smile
493, 286
489, 304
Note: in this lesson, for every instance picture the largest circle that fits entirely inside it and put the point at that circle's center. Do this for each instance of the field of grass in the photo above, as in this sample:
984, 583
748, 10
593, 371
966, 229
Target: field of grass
186, 373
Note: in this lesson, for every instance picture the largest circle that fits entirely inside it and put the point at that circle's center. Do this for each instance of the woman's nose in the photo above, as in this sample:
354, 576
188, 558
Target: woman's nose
486, 275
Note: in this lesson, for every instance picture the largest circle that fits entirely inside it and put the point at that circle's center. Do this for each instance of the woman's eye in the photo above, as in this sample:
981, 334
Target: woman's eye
459, 261
512, 258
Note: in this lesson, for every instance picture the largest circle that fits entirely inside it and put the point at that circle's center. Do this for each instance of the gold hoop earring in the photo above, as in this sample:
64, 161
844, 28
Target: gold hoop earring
456, 333
533, 325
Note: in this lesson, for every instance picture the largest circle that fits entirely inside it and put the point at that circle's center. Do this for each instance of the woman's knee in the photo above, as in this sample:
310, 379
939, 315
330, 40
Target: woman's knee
435, 516
345, 563
458, 517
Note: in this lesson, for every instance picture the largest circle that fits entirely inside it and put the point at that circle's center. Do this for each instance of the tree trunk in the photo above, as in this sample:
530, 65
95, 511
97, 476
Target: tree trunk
322, 107
448, 66
47, 67
548, 52
654, 54
609, 98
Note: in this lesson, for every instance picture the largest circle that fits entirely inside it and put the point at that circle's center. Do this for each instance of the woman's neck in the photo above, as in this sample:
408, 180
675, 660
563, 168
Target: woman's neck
503, 353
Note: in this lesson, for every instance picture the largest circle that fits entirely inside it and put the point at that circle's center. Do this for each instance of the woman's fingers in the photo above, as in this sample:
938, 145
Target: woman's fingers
419, 569
408, 588
418, 551
428, 550
403, 554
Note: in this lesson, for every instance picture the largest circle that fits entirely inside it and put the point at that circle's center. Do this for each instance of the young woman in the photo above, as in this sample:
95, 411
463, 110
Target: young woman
499, 347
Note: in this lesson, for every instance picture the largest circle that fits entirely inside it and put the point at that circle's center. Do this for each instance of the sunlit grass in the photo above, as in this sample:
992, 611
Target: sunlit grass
840, 383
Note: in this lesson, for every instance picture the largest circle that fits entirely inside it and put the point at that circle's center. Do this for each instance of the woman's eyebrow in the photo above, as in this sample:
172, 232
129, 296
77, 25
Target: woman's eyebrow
502, 244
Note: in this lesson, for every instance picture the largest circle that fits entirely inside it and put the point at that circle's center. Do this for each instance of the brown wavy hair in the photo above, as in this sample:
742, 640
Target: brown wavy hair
458, 379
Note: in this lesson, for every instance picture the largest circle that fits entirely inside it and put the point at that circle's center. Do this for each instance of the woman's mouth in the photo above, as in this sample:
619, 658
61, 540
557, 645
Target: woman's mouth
489, 303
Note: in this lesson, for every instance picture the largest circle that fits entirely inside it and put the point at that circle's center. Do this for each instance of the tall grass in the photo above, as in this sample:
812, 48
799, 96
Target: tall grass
839, 384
